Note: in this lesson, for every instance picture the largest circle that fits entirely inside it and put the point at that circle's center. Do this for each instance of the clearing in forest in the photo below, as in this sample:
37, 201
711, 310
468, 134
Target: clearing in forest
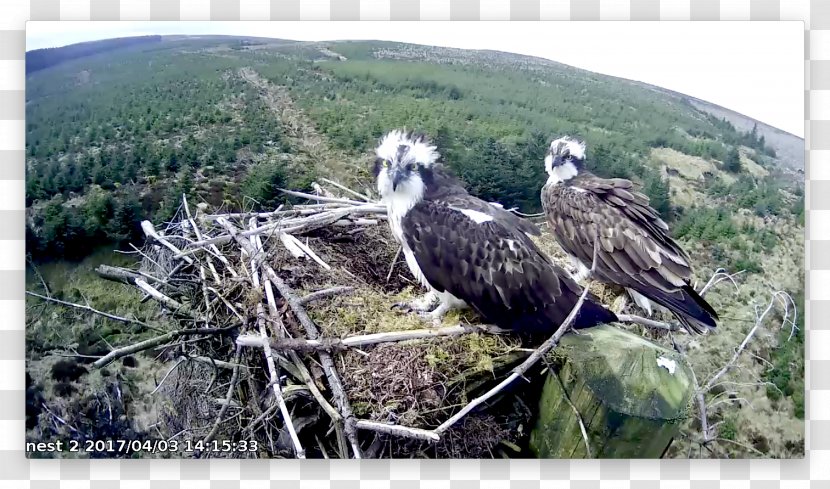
305, 141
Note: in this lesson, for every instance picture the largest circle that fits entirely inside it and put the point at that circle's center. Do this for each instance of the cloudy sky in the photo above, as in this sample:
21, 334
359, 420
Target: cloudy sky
756, 68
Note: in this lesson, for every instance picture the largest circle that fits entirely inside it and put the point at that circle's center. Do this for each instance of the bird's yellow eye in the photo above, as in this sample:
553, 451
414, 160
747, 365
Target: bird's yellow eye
385, 163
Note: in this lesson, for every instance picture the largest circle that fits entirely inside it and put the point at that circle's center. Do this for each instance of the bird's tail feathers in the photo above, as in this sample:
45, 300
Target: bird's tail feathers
692, 310
592, 314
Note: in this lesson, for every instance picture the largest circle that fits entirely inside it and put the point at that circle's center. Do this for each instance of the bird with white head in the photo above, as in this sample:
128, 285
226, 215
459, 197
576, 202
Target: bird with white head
635, 248
467, 252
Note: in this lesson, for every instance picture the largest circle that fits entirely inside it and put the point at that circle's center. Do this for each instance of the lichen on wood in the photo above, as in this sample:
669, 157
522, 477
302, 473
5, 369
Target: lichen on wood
631, 395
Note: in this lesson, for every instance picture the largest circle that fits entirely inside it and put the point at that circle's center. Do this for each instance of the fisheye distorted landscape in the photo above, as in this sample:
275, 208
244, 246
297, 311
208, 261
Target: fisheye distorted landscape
139, 149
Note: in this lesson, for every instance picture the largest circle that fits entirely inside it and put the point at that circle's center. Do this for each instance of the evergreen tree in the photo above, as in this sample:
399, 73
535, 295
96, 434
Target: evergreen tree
733, 161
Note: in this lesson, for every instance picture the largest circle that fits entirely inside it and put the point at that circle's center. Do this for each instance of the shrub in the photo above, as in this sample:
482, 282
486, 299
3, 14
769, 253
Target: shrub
261, 184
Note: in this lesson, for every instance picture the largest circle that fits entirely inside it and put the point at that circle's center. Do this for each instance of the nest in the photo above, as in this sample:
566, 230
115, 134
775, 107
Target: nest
282, 335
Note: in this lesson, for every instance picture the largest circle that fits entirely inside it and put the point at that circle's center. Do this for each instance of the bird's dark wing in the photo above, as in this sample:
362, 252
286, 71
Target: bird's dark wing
506, 218
496, 270
634, 249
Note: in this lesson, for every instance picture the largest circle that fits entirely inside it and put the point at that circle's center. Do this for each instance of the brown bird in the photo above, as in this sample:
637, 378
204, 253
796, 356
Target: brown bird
469, 253
635, 248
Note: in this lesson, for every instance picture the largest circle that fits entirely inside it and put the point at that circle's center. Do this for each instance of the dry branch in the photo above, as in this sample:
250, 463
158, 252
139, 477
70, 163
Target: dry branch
297, 226
397, 430
325, 293
91, 309
320, 198
311, 330
786, 301
158, 340
150, 231
338, 344
269, 360
224, 409
790, 309
122, 275
347, 190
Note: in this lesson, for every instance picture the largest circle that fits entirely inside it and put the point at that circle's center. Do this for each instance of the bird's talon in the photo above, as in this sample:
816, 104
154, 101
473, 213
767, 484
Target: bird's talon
424, 315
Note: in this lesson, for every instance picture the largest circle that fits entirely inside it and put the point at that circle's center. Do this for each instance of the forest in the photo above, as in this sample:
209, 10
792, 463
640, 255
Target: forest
38, 59
106, 139
117, 131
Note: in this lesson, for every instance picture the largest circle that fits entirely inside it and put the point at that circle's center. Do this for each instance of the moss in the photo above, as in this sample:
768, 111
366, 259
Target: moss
728, 430
412, 382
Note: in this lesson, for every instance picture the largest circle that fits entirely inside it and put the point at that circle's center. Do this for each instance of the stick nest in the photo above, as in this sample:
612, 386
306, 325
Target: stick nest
337, 275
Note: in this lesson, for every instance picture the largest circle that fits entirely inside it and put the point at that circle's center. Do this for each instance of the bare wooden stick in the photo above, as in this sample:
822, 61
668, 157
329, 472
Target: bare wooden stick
337, 344
150, 231
126, 276
298, 369
311, 330
296, 366
262, 417
170, 371
172, 304
39, 276
394, 262
58, 418
290, 244
305, 249
297, 210
759, 319
224, 409
213, 362
200, 237
356, 222
276, 388
227, 304
319, 198
398, 430
347, 190
322, 294
269, 361
158, 340
157, 295
719, 276
92, 310
700, 391
303, 225
244, 215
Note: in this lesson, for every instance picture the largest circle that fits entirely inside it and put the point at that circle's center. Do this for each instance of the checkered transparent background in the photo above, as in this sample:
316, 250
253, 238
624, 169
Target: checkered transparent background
17, 471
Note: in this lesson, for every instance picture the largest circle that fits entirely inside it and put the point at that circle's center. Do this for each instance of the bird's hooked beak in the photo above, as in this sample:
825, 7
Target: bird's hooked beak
397, 176
556, 160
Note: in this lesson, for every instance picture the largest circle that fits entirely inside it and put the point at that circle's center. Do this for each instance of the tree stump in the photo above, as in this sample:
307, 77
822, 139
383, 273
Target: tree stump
631, 395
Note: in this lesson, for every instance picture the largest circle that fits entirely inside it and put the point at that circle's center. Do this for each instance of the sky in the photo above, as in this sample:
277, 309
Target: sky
755, 68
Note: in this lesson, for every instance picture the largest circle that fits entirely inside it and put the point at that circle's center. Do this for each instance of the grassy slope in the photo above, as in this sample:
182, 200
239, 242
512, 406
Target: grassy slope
463, 99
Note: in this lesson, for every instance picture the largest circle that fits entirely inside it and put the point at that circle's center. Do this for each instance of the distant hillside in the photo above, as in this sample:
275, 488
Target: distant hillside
39, 59
788, 147
118, 137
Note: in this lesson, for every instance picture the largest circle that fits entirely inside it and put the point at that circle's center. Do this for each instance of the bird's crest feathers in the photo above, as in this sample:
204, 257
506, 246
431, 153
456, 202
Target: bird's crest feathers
419, 147
568, 145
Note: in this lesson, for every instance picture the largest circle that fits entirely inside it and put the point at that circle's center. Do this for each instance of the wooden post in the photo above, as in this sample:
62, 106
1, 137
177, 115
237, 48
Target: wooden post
631, 395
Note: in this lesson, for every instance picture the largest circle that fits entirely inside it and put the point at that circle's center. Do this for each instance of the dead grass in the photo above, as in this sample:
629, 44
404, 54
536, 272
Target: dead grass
750, 165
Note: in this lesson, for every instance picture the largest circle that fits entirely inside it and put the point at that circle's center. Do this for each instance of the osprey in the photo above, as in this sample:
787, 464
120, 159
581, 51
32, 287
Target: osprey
467, 252
635, 249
